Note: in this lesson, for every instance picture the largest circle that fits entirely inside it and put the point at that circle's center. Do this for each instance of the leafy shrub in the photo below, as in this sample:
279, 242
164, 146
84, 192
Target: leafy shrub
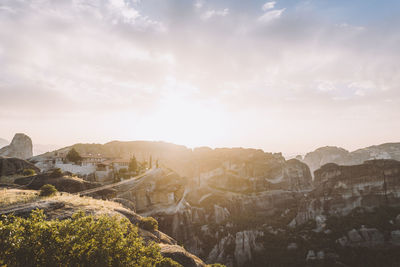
82, 240
149, 224
56, 173
28, 172
47, 190
167, 262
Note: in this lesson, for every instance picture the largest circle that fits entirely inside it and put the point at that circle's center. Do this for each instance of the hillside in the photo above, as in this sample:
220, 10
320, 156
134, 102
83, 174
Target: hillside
64, 205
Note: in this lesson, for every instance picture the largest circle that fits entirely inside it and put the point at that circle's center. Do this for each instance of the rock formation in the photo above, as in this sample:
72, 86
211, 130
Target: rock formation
216, 212
20, 147
324, 155
13, 166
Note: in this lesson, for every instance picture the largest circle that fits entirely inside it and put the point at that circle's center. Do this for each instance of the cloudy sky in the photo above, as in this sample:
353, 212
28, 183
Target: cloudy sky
285, 75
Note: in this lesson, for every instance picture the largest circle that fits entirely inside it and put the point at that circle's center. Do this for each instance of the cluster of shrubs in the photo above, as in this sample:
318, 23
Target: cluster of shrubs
83, 240
149, 224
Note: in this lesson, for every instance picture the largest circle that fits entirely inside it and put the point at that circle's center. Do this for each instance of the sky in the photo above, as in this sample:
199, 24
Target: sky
284, 76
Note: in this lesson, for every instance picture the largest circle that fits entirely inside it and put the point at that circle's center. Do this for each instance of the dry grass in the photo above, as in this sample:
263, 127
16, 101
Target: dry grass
10, 197
86, 202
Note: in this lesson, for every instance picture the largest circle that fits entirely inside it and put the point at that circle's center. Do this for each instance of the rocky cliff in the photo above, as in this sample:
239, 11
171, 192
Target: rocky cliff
268, 212
20, 147
329, 154
216, 212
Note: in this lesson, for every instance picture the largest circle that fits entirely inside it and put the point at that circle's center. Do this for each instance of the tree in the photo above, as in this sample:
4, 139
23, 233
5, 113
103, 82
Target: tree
73, 156
150, 162
133, 166
157, 164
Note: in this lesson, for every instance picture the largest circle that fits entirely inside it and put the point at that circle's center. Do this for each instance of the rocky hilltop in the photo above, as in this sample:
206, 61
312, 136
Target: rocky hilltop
3, 142
330, 154
20, 147
62, 206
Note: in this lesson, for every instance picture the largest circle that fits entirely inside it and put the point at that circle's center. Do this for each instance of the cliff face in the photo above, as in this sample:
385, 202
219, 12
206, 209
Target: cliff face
340, 189
324, 155
20, 147
227, 215
216, 213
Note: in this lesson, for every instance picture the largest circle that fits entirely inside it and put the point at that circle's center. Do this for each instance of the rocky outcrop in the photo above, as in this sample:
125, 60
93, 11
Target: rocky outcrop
211, 212
13, 166
180, 255
20, 147
324, 155
246, 245
63, 206
340, 156
340, 189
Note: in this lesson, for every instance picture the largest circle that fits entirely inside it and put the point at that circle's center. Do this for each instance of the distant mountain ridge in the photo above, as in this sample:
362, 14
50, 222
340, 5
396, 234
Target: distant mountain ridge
341, 156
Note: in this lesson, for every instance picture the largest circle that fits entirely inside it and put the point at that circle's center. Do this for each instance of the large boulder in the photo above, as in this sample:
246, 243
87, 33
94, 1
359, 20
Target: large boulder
20, 147
12, 166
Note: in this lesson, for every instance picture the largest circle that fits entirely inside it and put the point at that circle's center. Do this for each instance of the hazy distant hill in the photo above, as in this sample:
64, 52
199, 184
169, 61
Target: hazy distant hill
330, 154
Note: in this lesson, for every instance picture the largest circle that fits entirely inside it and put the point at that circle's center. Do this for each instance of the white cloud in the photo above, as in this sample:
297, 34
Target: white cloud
268, 5
214, 13
271, 15
198, 4
57, 56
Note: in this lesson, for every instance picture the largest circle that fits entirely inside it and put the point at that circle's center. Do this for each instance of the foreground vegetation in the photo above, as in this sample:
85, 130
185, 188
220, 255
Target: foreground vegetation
83, 240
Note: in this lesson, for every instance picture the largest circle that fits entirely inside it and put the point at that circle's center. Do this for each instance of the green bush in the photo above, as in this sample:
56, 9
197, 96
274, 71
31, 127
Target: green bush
47, 190
167, 262
28, 172
149, 224
56, 173
79, 241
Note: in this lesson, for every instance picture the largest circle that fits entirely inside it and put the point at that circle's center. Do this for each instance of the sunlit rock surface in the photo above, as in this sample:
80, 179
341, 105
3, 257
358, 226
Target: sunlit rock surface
20, 147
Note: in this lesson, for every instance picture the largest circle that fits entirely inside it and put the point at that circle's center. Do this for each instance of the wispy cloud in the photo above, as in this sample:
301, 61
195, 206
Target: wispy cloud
268, 5
271, 15
215, 13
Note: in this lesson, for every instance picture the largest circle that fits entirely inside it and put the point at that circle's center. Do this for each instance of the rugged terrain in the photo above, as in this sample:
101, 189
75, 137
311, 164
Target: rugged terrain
63, 205
331, 154
20, 147
245, 207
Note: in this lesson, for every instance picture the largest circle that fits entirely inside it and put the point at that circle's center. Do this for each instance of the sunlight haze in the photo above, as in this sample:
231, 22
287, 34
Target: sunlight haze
284, 76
